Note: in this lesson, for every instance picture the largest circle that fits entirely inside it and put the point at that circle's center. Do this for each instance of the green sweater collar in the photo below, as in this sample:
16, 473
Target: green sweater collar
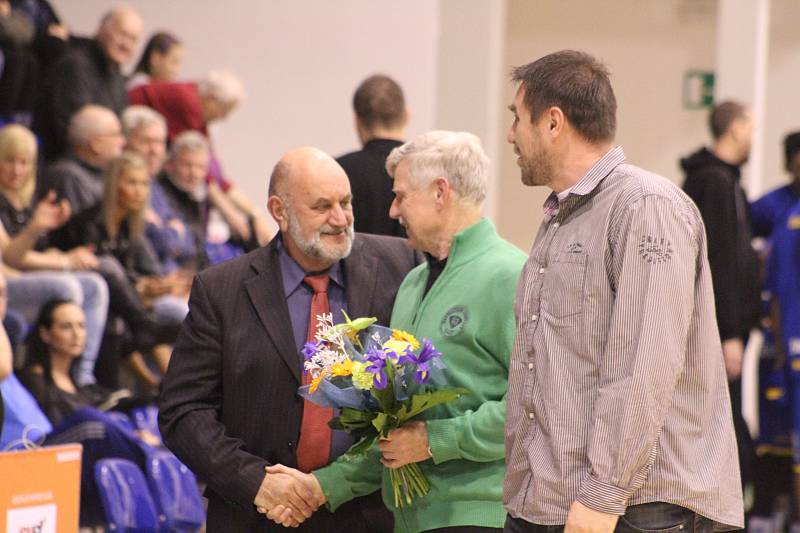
471, 242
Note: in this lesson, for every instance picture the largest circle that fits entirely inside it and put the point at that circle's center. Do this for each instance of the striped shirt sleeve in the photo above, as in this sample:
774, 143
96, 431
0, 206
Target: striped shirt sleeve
652, 262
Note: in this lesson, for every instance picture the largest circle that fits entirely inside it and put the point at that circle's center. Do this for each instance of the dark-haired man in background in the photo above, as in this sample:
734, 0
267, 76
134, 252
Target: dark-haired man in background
712, 181
381, 118
769, 212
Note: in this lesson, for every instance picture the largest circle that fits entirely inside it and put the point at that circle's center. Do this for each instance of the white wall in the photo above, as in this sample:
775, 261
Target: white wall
301, 60
783, 82
648, 45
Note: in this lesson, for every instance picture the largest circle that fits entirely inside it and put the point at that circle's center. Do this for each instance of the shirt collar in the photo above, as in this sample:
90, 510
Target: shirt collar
293, 274
588, 182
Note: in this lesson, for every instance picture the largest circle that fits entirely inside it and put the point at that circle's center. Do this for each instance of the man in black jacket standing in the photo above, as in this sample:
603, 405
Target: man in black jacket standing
381, 118
712, 180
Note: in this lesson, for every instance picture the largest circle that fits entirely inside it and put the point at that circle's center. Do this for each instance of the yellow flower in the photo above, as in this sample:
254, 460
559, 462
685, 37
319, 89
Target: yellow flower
361, 378
315, 382
405, 336
396, 346
345, 368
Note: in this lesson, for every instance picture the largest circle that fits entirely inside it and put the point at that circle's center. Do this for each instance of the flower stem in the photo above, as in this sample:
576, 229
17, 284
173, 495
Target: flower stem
408, 482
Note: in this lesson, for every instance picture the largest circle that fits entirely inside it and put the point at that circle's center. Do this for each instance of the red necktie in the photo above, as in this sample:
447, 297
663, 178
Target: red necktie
313, 450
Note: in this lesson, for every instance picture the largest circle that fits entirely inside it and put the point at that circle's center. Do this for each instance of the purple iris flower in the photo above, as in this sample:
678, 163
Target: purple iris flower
309, 350
377, 365
420, 361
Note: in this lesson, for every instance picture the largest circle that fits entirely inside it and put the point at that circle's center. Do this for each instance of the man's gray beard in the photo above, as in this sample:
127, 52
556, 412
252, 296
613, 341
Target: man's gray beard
314, 247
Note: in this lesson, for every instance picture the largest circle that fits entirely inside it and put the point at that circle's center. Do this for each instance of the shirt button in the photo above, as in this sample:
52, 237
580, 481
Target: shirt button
530, 415
556, 224
530, 366
541, 270
534, 317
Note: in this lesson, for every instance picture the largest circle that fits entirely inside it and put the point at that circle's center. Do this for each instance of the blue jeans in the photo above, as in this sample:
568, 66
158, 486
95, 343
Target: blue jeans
30, 290
170, 309
656, 517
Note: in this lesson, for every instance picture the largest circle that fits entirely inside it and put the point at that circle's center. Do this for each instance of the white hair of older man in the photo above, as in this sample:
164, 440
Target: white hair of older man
455, 155
223, 86
190, 141
87, 122
139, 116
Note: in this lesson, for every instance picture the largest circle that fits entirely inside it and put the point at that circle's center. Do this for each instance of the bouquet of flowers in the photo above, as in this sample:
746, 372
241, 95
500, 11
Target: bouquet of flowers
378, 378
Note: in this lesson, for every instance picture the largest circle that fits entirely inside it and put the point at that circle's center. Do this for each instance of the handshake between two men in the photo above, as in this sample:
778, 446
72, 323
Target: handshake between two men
288, 496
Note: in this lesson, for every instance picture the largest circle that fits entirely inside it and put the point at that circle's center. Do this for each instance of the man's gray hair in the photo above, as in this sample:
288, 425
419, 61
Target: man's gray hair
141, 116
222, 86
191, 141
87, 122
455, 155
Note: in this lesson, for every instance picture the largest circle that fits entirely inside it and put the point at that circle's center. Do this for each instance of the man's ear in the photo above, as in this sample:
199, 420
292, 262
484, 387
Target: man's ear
441, 190
92, 143
556, 121
277, 209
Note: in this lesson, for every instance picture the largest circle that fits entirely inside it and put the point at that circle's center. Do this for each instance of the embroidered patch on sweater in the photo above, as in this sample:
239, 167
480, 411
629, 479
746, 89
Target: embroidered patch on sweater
454, 320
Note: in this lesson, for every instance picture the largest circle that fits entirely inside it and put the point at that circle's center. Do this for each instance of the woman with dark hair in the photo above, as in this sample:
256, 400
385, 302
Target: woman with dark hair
161, 60
54, 347
78, 413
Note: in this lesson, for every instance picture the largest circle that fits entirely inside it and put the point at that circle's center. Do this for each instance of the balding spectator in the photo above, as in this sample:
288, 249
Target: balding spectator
381, 118
192, 107
95, 139
88, 74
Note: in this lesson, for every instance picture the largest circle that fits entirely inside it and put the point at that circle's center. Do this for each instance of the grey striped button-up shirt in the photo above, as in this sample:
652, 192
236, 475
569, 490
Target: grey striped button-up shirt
617, 389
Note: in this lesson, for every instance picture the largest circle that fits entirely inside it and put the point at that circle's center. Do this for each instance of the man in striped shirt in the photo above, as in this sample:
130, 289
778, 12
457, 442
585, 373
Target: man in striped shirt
618, 410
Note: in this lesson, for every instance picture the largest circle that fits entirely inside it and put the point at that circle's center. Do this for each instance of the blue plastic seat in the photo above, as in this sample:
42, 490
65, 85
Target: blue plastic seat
122, 420
126, 497
175, 491
146, 418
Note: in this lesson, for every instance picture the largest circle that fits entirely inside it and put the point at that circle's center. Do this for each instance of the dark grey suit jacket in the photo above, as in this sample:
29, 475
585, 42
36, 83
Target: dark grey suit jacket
229, 404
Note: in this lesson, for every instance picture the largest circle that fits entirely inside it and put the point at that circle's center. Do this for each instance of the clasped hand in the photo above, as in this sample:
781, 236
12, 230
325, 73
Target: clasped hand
404, 445
288, 496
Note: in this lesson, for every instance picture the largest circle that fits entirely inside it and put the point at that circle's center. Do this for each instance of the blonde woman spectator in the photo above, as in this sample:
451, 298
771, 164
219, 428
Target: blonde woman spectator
36, 272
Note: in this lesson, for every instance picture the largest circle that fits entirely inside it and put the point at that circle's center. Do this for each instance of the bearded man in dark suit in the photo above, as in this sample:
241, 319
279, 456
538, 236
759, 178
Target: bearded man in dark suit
229, 403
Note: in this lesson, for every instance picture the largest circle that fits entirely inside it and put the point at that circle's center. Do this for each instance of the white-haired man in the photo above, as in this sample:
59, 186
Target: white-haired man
88, 74
191, 106
462, 300
95, 139
146, 134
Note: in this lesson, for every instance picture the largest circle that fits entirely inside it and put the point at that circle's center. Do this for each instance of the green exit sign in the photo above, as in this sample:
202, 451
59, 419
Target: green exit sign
698, 89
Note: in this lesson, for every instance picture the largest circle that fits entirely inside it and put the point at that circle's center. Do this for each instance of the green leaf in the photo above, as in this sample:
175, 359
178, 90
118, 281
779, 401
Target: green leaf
362, 446
355, 325
353, 419
385, 422
424, 401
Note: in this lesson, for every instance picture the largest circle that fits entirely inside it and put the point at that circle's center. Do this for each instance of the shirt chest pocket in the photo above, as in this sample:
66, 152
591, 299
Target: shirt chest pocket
562, 287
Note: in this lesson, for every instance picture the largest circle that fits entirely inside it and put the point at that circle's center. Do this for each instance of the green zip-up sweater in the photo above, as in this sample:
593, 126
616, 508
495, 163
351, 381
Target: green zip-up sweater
468, 313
